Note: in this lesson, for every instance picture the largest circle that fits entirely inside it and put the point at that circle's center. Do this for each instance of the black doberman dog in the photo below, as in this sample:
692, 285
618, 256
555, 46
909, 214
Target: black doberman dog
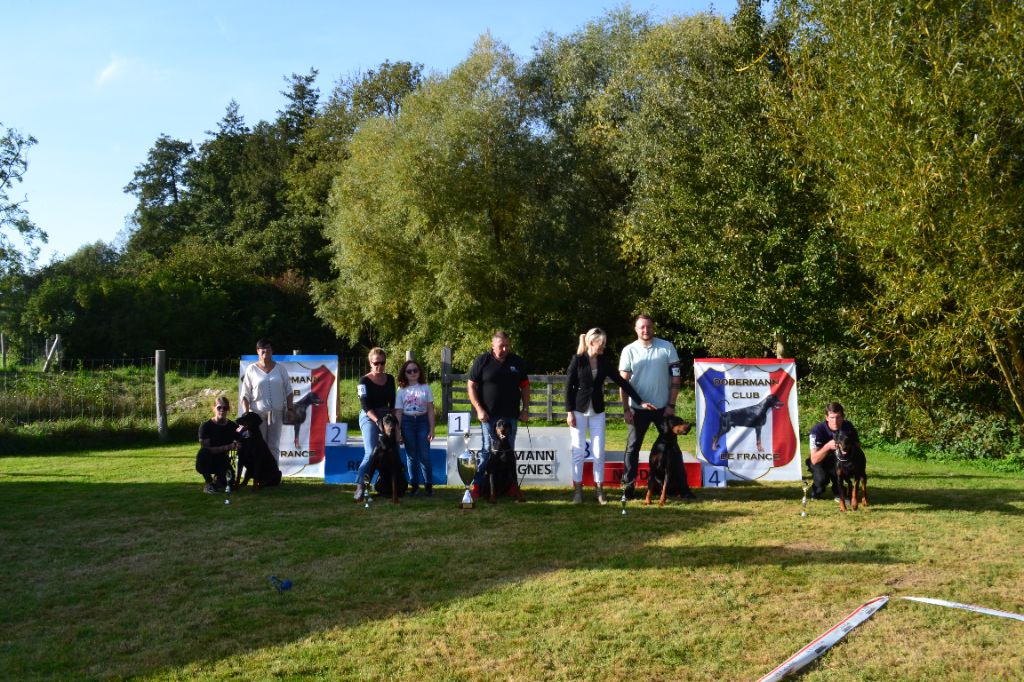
297, 416
751, 416
501, 475
386, 461
851, 470
253, 454
667, 476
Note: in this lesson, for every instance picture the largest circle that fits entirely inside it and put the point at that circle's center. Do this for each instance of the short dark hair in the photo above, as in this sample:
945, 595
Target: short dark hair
835, 408
500, 334
264, 343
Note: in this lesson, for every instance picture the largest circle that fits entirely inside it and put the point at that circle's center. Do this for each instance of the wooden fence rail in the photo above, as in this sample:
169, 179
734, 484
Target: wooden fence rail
547, 393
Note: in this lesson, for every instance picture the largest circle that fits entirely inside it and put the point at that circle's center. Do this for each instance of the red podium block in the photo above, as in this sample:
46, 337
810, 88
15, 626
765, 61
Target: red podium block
613, 474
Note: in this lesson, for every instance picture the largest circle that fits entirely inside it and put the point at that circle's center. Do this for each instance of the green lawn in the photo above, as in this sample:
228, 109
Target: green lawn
115, 565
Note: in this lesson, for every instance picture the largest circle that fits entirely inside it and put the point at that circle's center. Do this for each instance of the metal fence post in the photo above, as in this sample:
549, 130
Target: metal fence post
161, 394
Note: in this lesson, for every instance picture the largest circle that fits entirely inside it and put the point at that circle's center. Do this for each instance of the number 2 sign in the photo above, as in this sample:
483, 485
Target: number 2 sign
337, 434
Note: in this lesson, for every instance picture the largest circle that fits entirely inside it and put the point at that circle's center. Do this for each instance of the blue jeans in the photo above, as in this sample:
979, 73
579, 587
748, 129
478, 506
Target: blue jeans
371, 434
415, 430
488, 434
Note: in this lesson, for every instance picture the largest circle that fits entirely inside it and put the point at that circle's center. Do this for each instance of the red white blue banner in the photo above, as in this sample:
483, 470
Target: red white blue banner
747, 418
315, 396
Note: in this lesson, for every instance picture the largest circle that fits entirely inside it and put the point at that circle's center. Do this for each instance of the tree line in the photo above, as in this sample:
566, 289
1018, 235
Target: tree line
835, 182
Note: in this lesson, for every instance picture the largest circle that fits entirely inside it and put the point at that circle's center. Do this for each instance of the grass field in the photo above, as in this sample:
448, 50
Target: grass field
115, 565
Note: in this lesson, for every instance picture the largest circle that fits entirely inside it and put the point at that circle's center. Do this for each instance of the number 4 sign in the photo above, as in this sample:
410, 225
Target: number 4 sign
712, 476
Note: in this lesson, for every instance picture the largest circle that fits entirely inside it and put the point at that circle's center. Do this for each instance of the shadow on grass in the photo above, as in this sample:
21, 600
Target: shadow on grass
189, 572
15, 442
933, 492
956, 476
1007, 501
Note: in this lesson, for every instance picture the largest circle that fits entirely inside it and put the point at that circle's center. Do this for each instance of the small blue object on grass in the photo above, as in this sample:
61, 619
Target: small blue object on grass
280, 585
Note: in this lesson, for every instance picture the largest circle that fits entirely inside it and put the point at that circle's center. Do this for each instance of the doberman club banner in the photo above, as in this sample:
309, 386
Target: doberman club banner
314, 397
747, 417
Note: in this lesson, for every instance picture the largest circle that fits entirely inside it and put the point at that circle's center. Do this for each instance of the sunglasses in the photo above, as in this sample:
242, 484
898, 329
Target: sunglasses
377, 364
412, 370
221, 408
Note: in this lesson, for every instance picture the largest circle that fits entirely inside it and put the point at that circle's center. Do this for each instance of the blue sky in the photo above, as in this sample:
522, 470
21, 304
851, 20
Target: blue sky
97, 82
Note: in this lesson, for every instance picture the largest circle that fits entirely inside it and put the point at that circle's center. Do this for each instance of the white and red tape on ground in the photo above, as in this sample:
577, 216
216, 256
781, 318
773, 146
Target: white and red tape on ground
829, 638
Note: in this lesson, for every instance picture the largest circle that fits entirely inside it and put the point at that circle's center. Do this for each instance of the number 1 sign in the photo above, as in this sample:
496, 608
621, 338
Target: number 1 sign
458, 423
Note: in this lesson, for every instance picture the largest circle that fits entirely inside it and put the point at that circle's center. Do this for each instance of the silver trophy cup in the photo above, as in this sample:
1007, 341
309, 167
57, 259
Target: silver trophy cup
467, 464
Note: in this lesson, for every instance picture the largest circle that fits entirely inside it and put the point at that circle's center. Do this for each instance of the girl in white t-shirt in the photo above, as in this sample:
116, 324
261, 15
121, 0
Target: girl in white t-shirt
414, 407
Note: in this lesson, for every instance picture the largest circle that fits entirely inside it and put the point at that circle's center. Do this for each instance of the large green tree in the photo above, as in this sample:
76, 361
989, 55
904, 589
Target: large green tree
213, 175
584, 191
162, 216
324, 146
14, 218
717, 224
15, 260
915, 110
444, 226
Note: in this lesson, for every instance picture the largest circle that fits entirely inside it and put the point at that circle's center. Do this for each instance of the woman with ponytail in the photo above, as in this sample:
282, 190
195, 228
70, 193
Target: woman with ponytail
584, 402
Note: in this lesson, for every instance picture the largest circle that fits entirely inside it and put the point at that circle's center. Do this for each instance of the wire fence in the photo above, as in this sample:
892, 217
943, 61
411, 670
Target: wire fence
124, 388
29, 396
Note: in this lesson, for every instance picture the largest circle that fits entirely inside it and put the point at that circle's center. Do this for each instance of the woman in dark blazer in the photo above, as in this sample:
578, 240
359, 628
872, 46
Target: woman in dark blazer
584, 402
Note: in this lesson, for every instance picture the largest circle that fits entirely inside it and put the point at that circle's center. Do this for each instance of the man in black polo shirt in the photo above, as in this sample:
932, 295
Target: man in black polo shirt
822, 462
498, 386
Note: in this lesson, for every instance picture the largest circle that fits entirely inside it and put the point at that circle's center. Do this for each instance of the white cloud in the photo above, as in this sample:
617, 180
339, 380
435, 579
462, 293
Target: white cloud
116, 68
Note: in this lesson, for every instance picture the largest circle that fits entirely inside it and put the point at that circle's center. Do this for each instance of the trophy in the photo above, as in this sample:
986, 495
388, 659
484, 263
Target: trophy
803, 502
467, 464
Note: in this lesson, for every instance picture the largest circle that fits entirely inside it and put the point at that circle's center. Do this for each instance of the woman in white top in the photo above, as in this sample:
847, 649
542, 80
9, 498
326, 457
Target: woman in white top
267, 390
414, 407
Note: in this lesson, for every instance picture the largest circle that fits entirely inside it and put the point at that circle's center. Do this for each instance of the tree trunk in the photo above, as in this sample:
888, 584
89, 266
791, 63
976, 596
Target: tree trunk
1010, 368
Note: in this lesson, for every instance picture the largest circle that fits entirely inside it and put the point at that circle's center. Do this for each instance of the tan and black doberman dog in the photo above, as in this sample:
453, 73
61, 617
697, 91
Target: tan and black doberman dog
667, 475
851, 470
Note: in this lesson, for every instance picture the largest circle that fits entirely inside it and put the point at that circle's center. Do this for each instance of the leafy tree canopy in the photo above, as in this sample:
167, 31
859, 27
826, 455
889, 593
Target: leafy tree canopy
14, 218
915, 110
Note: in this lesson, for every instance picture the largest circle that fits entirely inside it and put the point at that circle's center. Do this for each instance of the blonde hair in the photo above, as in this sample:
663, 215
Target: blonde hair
585, 339
376, 351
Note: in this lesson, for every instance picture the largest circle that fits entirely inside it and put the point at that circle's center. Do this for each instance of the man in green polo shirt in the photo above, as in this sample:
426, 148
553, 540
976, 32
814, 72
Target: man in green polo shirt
651, 365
